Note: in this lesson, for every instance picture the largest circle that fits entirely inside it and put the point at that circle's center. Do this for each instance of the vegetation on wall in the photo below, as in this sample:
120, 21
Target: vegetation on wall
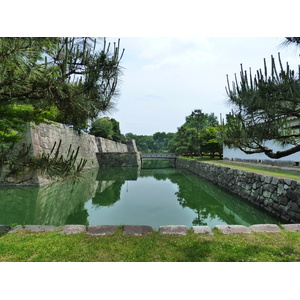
53, 165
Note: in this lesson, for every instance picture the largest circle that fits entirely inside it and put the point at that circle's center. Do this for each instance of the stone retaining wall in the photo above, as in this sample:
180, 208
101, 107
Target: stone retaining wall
278, 196
97, 151
43, 136
118, 159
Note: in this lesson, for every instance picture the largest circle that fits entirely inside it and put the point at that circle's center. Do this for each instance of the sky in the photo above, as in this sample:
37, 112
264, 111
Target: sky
165, 78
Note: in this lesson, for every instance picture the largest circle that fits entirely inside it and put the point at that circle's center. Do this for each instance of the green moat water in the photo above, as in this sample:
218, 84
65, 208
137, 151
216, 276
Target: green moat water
116, 196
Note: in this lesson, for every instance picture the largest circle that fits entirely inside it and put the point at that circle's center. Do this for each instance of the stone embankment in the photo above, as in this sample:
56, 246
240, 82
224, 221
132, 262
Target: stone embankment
278, 196
97, 151
142, 229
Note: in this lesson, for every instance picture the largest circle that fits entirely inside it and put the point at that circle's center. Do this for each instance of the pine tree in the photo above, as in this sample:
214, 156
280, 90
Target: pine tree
266, 107
69, 80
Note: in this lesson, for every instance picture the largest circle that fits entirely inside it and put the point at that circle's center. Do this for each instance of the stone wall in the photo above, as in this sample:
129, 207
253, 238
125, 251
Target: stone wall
97, 151
113, 154
108, 146
278, 196
43, 137
118, 159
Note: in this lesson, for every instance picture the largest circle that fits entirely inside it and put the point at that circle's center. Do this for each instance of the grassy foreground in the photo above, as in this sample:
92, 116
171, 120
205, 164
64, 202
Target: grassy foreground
154, 247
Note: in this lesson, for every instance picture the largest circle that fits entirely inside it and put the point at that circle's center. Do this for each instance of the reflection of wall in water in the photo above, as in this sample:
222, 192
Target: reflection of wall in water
229, 207
17, 205
252, 187
48, 205
63, 202
59, 200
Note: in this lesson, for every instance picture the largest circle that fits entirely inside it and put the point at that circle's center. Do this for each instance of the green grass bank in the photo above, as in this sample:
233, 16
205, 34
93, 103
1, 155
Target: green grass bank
22, 246
292, 173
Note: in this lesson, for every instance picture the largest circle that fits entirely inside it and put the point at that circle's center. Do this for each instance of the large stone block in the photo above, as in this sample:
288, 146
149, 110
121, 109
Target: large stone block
137, 229
233, 229
102, 229
292, 195
15, 228
40, 228
292, 227
202, 230
173, 229
4, 228
73, 229
265, 228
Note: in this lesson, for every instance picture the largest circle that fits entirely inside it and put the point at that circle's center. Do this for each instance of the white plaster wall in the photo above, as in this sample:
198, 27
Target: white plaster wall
238, 154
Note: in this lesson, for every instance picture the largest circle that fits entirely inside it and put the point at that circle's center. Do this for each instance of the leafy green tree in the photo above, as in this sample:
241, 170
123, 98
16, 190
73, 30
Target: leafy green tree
265, 108
69, 80
144, 143
117, 135
107, 128
102, 127
196, 135
211, 142
161, 141
158, 142
199, 121
185, 141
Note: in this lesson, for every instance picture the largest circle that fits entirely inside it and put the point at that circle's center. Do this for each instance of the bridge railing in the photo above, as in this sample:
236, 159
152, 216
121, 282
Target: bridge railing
158, 155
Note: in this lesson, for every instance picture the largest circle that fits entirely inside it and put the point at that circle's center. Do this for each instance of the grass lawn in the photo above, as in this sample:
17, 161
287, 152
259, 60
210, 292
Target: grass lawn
250, 168
154, 247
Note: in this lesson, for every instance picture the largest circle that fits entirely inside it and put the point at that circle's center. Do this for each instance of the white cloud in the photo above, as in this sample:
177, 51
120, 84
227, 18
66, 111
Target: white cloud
166, 78
170, 53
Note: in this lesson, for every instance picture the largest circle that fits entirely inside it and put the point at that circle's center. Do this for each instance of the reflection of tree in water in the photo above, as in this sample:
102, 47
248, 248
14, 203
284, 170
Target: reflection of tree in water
200, 202
191, 193
80, 216
158, 164
199, 219
162, 174
108, 193
212, 202
110, 182
18, 204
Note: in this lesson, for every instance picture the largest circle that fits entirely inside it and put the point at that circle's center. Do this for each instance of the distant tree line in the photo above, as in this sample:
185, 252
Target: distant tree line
158, 142
198, 136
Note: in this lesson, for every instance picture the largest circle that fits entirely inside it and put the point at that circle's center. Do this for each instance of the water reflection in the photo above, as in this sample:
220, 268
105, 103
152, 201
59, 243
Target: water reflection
128, 196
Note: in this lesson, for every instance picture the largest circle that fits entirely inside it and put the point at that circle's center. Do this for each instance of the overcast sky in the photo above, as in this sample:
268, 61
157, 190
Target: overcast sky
165, 79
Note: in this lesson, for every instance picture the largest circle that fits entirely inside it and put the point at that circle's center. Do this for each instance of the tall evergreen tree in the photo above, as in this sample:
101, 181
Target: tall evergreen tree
266, 107
70, 80
196, 135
